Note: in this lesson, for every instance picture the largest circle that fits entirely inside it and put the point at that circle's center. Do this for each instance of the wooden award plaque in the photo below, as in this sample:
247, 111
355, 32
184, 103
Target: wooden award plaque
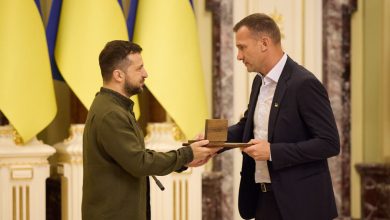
216, 132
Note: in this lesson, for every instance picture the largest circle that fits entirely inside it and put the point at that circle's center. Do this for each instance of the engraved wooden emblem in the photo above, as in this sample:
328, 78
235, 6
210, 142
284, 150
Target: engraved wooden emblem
216, 130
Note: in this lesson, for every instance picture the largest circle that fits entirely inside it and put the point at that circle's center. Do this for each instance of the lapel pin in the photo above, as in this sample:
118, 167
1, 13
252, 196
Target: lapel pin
276, 105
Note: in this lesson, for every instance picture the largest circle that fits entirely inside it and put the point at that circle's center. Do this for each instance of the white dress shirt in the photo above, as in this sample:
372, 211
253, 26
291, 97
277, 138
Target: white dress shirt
262, 111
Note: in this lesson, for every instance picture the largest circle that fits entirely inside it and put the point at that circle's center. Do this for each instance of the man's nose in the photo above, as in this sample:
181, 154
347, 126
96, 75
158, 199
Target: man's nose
239, 56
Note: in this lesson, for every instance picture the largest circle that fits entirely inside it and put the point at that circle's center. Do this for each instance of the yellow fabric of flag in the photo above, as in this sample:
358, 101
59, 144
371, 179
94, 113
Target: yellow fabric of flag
167, 32
26, 87
84, 29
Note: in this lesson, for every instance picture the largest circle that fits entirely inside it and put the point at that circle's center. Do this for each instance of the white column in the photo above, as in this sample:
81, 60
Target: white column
182, 197
23, 173
69, 167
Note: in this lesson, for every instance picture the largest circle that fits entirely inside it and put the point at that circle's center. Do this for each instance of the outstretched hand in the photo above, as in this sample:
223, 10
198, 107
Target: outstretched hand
198, 163
201, 154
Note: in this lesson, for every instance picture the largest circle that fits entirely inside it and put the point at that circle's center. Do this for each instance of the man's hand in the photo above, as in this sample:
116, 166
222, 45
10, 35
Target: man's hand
201, 154
198, 163
199, 137
260, 150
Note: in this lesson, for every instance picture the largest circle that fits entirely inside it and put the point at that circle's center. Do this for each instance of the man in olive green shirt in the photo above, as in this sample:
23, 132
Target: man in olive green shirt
116, 163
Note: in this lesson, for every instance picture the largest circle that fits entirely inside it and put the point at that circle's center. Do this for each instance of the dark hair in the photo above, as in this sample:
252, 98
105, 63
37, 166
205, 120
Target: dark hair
114, 55
260, 23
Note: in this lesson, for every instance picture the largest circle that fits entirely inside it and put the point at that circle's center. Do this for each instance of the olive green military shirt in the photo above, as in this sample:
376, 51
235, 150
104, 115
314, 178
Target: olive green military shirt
116, 163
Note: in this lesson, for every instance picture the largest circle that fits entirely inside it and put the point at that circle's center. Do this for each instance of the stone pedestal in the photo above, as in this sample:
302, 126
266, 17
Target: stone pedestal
375, 191
212, 203
23, 172
68, 174
182, 196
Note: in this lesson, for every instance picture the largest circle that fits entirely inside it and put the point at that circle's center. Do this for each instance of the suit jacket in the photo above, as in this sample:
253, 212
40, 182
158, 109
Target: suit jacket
302, 133
116, 163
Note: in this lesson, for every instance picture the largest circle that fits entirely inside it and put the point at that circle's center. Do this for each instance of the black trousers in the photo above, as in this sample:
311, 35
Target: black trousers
267, 208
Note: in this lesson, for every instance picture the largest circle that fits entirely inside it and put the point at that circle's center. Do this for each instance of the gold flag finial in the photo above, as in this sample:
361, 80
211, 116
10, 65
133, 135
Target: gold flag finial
279, 20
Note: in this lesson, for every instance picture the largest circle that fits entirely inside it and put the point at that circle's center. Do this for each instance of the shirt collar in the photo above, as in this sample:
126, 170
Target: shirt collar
123, 100
274, 74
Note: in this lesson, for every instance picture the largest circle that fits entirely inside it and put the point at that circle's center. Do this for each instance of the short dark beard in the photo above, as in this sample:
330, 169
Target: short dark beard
130, 91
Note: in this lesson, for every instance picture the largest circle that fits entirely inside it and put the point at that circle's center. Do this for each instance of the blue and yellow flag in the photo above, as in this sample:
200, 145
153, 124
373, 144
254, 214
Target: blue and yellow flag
51, 35
167, 32
130, 14
84, 29
26, 88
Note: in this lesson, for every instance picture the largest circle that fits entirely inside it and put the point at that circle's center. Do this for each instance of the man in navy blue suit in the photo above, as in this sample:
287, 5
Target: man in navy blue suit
290, 123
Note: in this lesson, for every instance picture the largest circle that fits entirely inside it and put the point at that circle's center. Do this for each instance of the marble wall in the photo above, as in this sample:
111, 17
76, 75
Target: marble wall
375, 191
336, 79
221, 177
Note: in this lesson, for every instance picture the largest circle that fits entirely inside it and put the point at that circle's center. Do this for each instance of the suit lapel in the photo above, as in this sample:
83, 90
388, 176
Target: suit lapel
280, 90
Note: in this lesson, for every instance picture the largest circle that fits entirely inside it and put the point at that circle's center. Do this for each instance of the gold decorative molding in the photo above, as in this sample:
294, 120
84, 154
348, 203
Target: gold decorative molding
14, 203
279, 20
165, 128
18, 203
71, 150
174, 200
10, 162
21, 202
28, 202
180, 199
6, 131
75, 129
17, 138
162, 137
186, 194
178, 133
9, 131
22, 173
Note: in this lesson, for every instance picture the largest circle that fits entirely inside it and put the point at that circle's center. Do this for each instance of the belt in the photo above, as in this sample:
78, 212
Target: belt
265, 187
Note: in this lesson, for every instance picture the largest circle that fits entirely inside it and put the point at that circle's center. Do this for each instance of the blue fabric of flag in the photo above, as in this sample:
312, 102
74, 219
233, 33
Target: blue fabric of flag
51, 35
130, 21
38, 3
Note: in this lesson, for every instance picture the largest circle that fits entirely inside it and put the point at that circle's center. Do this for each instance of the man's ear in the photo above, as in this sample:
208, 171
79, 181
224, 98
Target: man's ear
118, 76
264, 43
